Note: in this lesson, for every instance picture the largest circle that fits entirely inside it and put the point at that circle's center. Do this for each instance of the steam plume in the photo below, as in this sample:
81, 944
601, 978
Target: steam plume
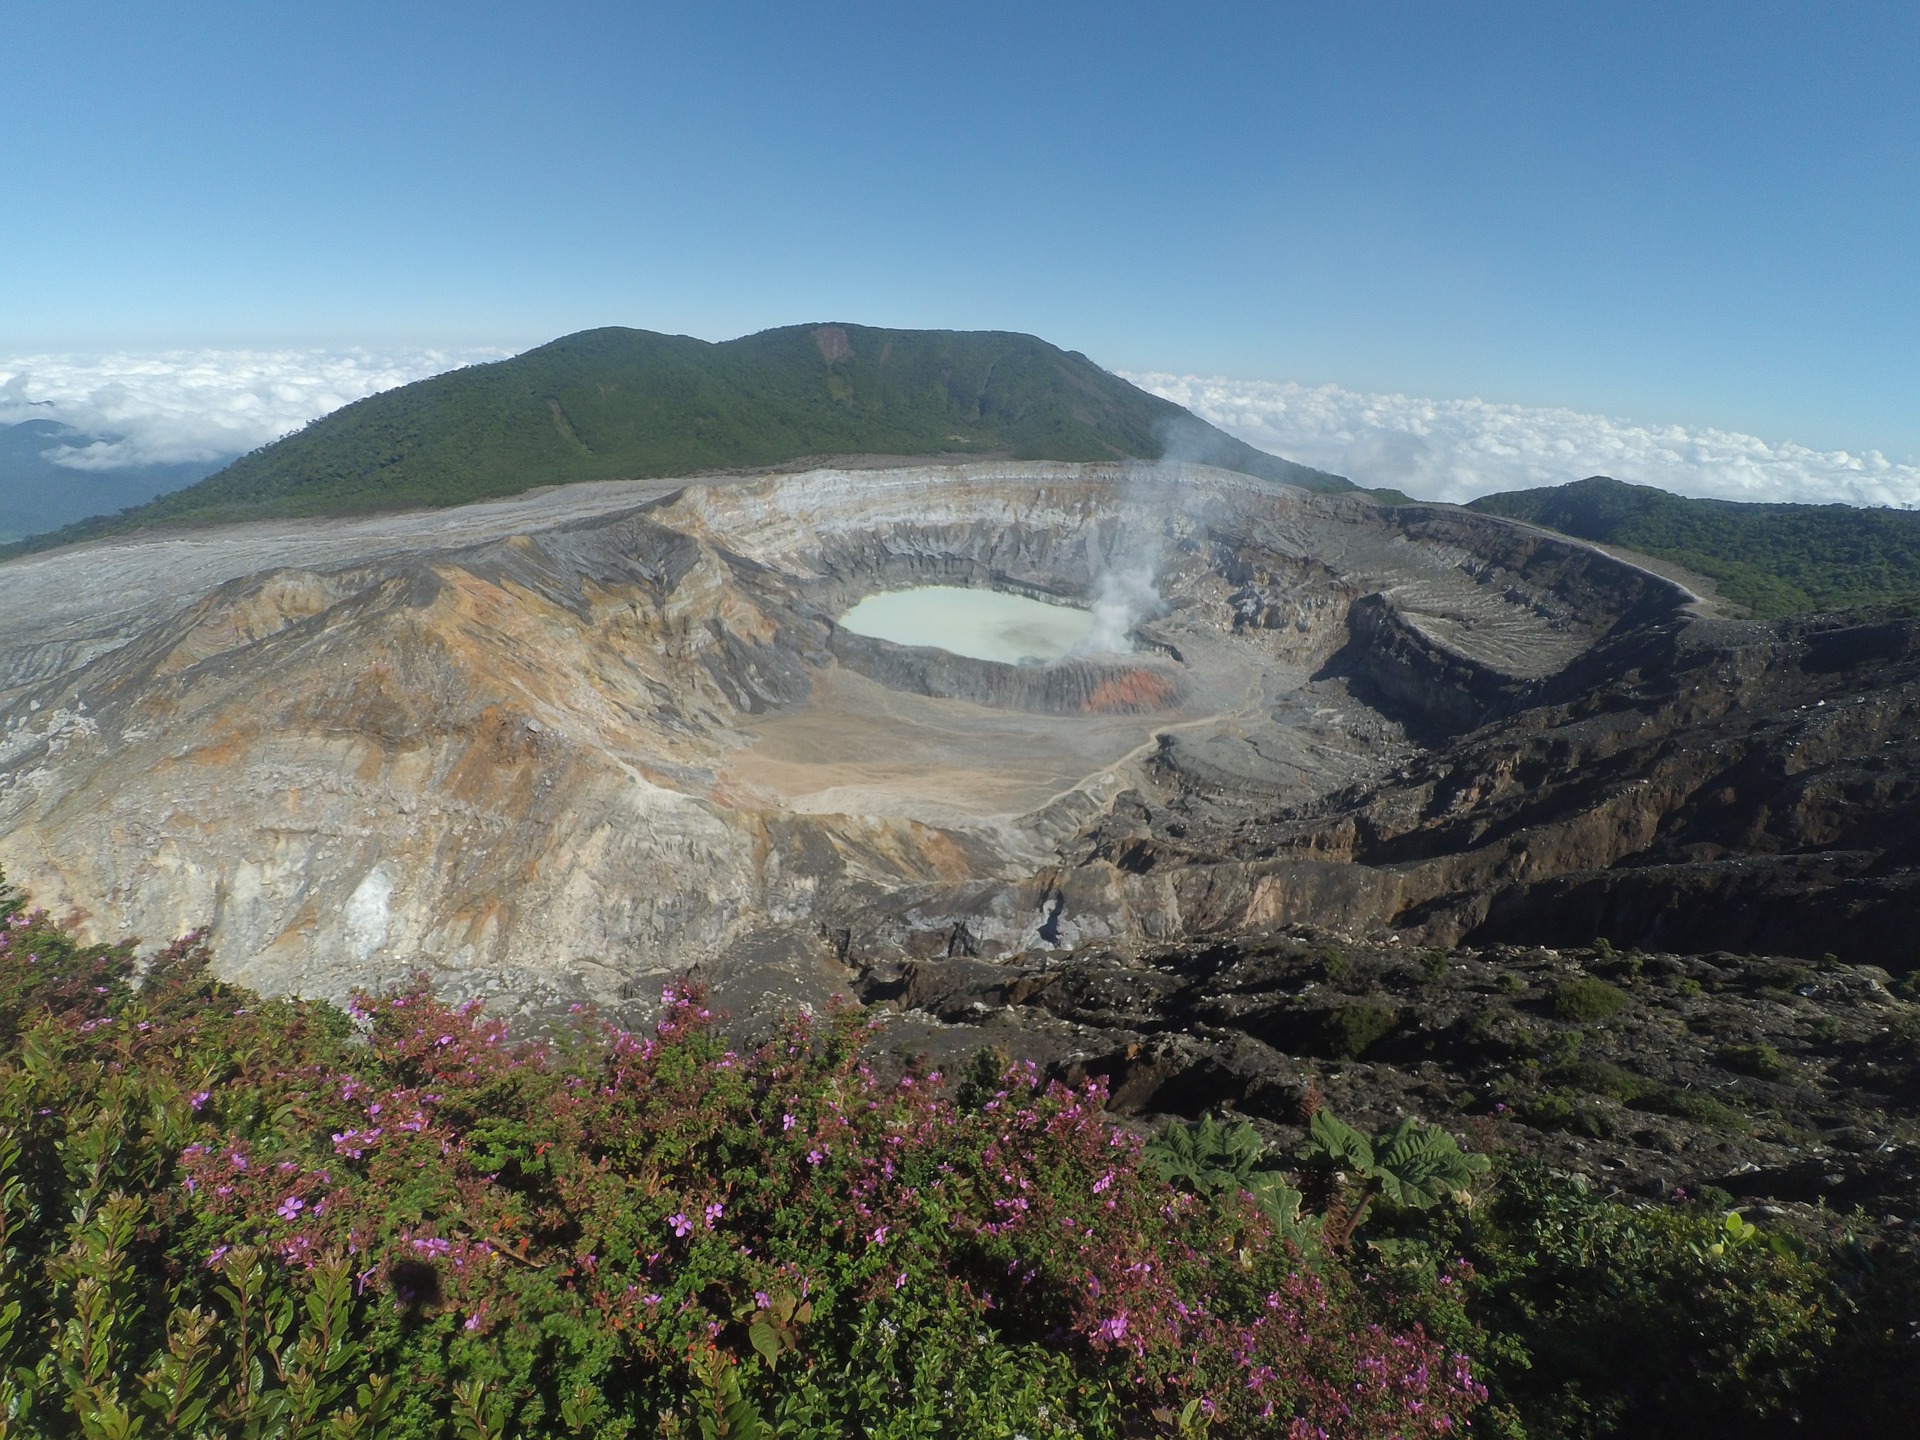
1122, 599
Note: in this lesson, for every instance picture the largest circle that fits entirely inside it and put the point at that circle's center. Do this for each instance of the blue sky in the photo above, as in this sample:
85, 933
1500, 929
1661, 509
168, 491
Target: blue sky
1696, 215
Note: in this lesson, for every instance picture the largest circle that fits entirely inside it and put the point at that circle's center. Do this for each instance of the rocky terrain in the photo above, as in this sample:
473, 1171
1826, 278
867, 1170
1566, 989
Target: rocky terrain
1351, 817
552, 749
1790, 1084
552, 754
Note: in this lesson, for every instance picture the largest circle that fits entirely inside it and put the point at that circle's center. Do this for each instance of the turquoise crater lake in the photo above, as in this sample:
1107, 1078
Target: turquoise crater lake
980, 624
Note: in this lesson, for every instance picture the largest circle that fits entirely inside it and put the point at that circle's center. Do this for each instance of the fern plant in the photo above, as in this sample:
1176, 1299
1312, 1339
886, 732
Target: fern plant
1415, 1165
1208, 1158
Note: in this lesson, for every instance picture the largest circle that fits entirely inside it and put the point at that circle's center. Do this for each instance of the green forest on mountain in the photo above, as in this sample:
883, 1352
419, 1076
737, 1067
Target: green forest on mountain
617, 403
1774, 559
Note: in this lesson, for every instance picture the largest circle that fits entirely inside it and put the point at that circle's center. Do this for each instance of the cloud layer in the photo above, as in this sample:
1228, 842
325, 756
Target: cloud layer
198, 405
1458, 449
207, 406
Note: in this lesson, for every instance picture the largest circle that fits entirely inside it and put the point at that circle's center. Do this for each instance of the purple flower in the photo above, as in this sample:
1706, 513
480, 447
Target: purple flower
814, 1157
1113, 1329
682, 1226
786, 1122
200, 1097
714, 1212
291, 1207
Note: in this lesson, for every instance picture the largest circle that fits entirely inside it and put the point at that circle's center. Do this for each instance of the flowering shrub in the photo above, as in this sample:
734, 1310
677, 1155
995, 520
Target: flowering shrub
229, 1217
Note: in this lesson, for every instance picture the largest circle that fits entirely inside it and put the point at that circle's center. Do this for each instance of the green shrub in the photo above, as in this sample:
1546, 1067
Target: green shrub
1601, 1077
1607, 1320
1349, 1031
1692, 1105
1761, 1061
1585, 999
1557, 1111
227, 1218
1511, 984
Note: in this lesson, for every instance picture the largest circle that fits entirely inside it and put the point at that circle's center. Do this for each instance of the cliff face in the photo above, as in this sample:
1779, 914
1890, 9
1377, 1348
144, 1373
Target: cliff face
554, 750
1691, 785
496, 762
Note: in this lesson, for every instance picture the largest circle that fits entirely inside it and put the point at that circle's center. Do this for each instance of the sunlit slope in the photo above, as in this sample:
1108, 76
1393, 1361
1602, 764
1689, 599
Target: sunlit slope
618, 403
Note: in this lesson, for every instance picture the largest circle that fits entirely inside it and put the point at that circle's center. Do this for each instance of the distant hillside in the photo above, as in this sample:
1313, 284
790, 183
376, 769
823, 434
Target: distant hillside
37, 494
618, 403
1778, 559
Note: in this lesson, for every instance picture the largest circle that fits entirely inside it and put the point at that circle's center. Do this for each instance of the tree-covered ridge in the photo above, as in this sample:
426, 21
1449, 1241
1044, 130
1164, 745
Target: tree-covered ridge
1775, 559
617, 403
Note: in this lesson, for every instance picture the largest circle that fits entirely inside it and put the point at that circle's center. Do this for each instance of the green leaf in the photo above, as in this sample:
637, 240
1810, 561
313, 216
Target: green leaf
766, 1342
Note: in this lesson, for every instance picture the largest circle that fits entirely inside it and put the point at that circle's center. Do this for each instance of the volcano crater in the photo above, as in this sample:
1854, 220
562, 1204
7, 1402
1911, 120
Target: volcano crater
629, 735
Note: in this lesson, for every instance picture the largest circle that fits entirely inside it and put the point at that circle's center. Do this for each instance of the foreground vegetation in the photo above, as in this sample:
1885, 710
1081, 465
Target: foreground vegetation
230, 1217
1774, 559
629, 404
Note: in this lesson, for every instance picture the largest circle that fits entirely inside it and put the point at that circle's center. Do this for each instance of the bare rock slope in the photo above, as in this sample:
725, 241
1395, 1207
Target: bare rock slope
553, 748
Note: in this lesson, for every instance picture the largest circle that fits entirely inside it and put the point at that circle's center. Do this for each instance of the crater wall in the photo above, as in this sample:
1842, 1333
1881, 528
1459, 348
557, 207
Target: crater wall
553, 754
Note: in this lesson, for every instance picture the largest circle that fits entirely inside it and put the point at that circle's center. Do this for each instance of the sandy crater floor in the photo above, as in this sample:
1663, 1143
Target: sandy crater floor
860, 748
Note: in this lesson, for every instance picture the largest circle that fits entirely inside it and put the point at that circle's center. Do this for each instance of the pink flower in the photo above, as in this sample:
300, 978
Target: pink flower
682, 1226
714, 1212
786, 1122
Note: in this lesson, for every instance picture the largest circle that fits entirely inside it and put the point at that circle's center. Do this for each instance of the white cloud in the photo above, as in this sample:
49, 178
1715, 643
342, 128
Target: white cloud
198, 405
1458, 449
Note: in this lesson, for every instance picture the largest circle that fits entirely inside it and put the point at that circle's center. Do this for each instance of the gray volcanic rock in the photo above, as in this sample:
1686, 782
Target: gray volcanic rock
557, 749
1788, 1083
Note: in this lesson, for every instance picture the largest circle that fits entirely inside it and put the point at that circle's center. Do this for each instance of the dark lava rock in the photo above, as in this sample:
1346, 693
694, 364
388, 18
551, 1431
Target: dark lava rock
1779, 1081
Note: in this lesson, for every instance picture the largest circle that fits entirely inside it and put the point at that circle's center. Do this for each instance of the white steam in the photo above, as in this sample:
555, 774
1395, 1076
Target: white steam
1126, 590
1122, 598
